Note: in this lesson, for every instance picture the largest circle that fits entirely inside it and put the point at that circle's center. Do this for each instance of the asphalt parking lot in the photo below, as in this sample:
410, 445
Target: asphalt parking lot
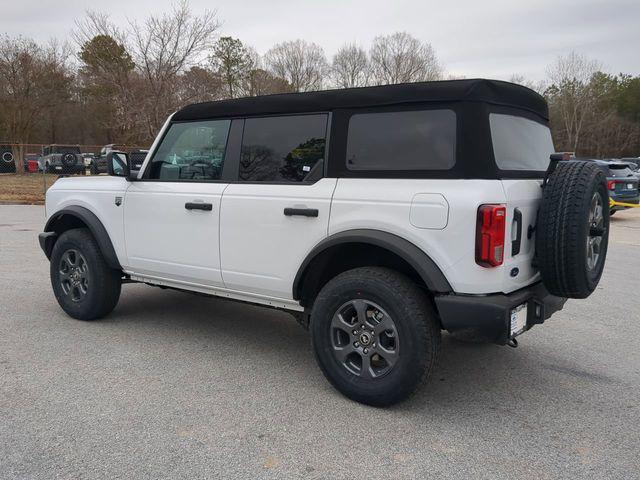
179, 386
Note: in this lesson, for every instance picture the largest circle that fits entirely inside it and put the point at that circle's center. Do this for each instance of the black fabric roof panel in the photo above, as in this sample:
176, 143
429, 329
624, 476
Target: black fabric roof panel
477, 90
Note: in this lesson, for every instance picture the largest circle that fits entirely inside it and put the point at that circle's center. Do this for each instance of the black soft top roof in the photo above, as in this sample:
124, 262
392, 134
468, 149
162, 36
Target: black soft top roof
475, 90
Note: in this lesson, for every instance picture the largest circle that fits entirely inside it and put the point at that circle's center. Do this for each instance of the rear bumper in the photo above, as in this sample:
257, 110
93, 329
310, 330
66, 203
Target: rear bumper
489, 316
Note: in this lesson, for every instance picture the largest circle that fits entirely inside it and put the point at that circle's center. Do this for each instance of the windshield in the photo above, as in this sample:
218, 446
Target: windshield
520, 143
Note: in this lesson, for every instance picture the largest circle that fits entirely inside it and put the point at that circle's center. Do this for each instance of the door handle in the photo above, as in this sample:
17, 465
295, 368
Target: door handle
207, 207
515, 245
302, 212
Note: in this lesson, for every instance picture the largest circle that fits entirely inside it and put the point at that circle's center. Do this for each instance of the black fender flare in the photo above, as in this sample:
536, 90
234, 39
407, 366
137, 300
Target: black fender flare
430, 273
94, 225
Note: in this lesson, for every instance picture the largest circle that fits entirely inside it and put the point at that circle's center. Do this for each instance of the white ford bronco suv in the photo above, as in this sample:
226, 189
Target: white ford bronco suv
379, 216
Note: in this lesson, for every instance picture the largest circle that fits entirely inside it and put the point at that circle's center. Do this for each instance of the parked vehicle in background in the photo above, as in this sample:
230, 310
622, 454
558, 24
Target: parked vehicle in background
622, 182
378, 216
88, 158
634, 161
99, 163
31, 164
7, 163
63, 159
137, 158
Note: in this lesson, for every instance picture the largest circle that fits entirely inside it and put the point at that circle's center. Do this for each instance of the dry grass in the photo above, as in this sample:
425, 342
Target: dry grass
28, 188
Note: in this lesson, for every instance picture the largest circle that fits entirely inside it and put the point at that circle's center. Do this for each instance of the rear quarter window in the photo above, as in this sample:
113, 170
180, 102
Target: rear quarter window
520, 143
404, 140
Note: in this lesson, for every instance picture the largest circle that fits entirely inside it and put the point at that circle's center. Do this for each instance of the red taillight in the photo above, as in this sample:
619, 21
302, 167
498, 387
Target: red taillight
611, 184
490, 235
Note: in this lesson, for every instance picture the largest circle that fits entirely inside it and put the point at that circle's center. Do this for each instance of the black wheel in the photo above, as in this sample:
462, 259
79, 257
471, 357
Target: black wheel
84, 285
93, 169
375, 335
572, 233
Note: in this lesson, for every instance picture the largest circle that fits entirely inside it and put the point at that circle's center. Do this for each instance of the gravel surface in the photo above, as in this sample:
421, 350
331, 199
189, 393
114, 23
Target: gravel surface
173, 385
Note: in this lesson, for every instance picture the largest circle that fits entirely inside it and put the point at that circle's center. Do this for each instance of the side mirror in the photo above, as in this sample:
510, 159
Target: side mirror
118, 164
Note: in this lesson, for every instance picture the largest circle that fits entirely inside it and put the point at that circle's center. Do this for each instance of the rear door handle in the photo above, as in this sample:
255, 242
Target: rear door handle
207, 207
302, 212
515, 245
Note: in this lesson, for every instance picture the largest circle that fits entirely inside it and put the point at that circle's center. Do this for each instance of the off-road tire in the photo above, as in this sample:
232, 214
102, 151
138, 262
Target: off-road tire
417, 327
563, 228
104, 283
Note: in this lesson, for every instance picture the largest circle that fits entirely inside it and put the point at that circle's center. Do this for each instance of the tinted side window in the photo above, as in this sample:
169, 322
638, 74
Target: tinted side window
282, 149
407, 140
192, 151
520, 143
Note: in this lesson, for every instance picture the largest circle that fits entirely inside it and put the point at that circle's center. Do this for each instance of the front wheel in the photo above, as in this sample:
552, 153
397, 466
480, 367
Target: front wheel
375, 335
84, 285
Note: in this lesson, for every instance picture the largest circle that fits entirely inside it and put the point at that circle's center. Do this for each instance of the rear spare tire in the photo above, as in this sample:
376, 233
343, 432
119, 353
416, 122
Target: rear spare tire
572, 232
69, 160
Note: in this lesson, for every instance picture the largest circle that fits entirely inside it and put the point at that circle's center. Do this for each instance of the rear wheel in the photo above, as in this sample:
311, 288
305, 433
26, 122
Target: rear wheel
375, 335
84, 285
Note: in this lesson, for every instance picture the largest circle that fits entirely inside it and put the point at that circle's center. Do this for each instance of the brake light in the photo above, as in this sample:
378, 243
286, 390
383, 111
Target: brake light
611, 184
490, 230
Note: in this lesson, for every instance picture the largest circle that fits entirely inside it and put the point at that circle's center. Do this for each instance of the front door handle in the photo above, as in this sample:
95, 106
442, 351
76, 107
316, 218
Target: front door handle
207, 207
302, 212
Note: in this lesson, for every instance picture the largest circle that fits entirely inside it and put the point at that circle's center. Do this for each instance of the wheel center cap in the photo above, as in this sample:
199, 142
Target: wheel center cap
365, 338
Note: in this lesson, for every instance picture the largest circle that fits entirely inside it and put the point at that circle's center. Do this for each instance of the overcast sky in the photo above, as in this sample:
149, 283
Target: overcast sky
473, 38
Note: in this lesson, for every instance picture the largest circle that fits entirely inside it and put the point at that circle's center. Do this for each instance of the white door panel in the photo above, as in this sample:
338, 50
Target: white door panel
261, 247
164, 238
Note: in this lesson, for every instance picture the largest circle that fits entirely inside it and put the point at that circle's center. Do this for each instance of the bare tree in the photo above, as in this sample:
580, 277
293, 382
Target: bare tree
519, 79
33, 80
350, 67
164, 46
571, 96
301, 64
400, 58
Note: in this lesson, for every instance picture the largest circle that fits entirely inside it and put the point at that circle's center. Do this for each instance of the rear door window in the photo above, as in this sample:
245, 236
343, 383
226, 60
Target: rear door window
404, 140
283, 149
520, 143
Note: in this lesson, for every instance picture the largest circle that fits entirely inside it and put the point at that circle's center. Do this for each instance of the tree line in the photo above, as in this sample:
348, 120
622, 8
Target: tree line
117, 85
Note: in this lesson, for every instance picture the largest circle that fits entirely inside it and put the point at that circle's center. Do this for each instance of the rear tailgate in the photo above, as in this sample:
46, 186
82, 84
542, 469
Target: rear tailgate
523, 199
